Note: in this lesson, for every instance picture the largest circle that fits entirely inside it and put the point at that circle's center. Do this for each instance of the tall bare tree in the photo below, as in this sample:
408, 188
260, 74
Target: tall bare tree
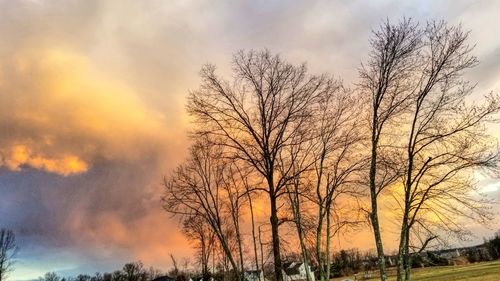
386, 81
446, 140
8, 250
256, 116
326, 159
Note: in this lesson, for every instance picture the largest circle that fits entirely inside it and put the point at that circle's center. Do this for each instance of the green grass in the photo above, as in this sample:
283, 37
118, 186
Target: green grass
484, 271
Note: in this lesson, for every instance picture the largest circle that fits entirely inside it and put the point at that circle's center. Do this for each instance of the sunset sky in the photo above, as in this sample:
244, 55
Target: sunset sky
92, 108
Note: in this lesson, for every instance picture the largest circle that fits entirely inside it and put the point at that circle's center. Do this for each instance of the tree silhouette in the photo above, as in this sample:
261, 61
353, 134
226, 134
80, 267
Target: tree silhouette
8, 250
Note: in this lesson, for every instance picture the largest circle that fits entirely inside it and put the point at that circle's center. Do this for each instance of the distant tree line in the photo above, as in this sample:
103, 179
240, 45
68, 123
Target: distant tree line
343, 263
490, 250
134, 271
493, 245
353, 261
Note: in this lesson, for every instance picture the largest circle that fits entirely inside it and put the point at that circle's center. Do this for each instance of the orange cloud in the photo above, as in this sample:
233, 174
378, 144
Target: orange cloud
59, 114
23, 156
150, 238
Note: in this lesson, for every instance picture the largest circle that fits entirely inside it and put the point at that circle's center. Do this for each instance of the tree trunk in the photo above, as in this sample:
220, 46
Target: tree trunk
327, 250
374, 211
407, 256
318, 242
295, 202
304, 251
261, 250
228, 254
275, 241
253, 233
204, 261
380, 247
401, 252
240, 249
275, 238
403, 243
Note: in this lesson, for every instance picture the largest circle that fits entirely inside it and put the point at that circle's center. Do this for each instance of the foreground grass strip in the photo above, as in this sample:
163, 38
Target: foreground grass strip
485, 271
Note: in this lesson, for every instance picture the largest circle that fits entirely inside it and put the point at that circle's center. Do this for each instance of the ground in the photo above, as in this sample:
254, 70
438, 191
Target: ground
484, 271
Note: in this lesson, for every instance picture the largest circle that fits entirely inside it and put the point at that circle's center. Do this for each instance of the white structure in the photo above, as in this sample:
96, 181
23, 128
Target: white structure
254, 275
449, 254
199, 279
296, 271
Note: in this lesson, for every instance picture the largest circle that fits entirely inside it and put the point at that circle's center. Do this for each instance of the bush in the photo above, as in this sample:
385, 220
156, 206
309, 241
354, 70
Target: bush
493, 246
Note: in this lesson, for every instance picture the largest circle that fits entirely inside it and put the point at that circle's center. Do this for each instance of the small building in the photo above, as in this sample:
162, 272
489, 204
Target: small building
296, 271
254, 275
390, 261
449, 253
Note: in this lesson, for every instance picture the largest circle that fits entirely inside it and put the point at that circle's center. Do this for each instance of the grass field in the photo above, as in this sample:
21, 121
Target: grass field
484, 271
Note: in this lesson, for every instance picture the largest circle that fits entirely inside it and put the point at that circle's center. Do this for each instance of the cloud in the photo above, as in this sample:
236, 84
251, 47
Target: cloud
60, 115
21, 155
84, 154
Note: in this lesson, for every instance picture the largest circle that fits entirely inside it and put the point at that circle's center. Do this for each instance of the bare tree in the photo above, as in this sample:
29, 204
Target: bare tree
197, 189
256, 116
325, 158
446, 141
175, 270
8, 250
196, 229
242, 192
135, 271
386, 81
338, 161
235, 187
51, 276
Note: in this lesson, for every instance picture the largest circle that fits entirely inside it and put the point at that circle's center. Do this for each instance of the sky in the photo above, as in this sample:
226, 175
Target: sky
92, 107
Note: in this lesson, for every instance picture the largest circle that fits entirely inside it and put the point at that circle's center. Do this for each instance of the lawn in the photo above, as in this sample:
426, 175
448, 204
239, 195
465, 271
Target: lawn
484, 271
